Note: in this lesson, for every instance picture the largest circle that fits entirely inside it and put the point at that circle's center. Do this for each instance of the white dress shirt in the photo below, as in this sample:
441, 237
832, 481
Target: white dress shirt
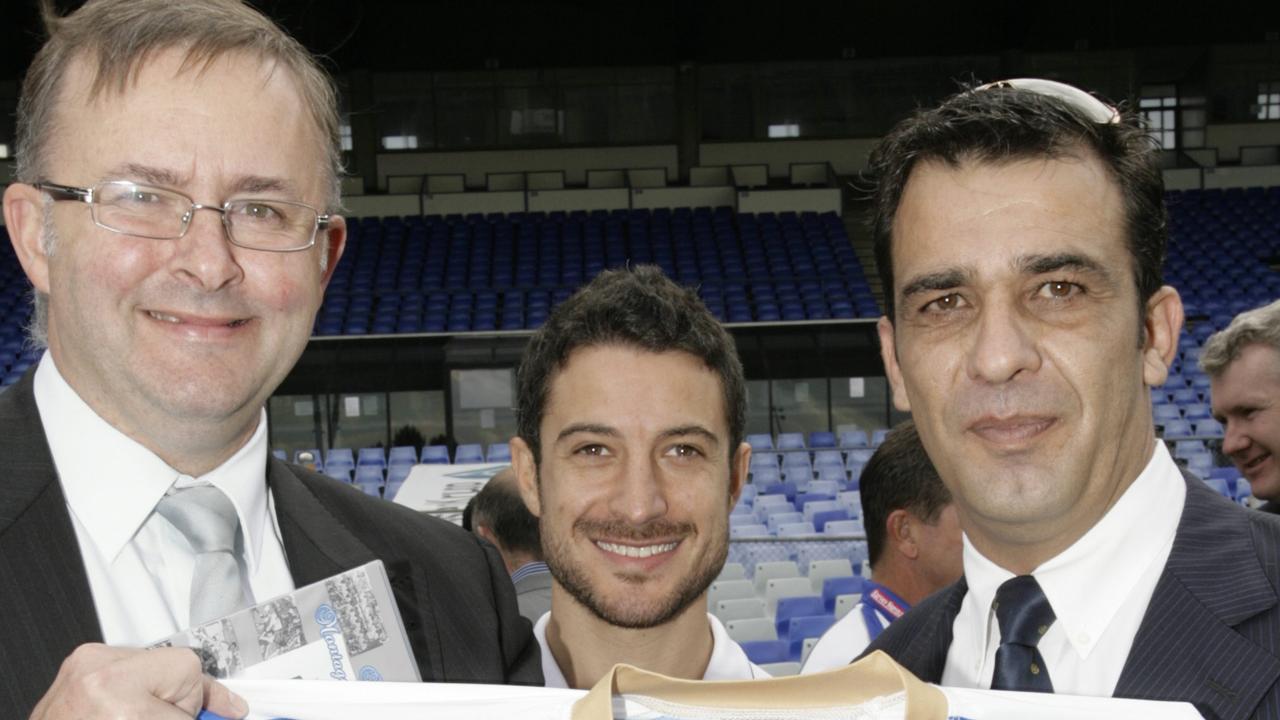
139, 565
1099, 589
728, 660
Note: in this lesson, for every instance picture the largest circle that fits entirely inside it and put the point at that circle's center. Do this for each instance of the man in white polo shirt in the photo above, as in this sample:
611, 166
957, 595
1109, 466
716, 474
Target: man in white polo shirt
631, 413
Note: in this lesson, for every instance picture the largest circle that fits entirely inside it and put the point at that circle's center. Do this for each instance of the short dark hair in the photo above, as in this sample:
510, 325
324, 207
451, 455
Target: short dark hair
899, 475
500, 507
641, 308
1003, 124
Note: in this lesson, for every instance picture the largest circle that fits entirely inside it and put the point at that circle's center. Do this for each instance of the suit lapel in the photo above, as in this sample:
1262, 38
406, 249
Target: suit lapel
44, 590
316, 544
924, 651
1188, 646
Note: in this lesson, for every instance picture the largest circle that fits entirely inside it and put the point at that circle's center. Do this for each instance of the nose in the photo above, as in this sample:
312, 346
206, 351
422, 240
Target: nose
204, 256
1234, 439
1003, 345
640, 497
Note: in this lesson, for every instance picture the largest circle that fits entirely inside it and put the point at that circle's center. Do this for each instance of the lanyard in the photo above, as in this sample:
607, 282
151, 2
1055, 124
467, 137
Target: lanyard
878, 597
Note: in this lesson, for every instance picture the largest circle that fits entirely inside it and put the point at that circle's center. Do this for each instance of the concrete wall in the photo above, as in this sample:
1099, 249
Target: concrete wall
381, 205
817, 199
474, 202
1229, 138
683, 197
848, 157
1182, 179
1227, 177
581, 199
573, 161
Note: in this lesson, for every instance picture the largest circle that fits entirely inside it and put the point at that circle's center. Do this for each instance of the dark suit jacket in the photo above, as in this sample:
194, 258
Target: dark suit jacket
455, 596
1211, 635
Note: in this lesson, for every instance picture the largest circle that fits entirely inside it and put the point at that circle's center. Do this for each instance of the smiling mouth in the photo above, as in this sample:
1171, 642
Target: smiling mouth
175, 320
1014, 429
636, 551
1255, 463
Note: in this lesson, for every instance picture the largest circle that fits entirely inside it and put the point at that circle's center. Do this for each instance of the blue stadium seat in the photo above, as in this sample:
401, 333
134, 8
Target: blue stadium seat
791, 441
402, 455
804, 627
435, 454
822, 440
761, 441
834, 587
764, 652
789, 607
341, 456
854, 439
498, 452
469, 453
371, 457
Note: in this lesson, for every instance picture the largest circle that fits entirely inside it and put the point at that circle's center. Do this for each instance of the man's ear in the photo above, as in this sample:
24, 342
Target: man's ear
483, 531
889, 354
336, 233
900, 532
739, 465
526, 474
24, 209
1163, 324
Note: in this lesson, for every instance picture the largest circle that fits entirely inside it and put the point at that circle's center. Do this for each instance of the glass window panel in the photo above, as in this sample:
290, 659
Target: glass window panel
859, 403
758, 407
586, 114
643, 114
482, 406
467, 117
417, 418
800, 405
358, 420
529, 116
295, 422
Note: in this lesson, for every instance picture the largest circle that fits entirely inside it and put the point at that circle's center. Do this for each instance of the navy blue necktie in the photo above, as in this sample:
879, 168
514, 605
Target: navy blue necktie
1025, 616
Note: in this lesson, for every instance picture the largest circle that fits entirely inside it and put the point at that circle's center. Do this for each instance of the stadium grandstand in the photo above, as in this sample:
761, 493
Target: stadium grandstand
494, 170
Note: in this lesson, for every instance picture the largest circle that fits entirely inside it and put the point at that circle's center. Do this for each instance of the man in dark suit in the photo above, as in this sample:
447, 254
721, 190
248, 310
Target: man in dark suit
139, 496
497, 513
1020, 232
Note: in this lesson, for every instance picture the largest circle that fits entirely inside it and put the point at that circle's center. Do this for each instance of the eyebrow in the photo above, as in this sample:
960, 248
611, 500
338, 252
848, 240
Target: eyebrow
608, 431
169, 178
1029, 265
692, 429
593, 428
934, 281
1042, 264
147, 174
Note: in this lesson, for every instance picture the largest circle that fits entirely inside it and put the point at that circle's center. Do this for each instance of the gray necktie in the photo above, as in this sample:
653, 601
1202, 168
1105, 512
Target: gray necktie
208, 520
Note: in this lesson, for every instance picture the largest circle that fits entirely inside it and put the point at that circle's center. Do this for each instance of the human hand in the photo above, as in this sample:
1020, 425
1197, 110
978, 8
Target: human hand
98, 681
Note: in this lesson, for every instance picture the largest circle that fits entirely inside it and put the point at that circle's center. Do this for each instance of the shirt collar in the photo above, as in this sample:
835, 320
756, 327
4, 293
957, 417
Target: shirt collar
728, 660
527, 569
1087, 583
112, 483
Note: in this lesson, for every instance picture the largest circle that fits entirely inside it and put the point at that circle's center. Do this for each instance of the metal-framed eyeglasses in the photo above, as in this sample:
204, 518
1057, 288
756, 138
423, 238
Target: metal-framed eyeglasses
159, 213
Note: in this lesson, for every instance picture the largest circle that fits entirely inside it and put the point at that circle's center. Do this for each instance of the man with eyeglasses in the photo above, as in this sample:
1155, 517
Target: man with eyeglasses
1020, 231
177, 173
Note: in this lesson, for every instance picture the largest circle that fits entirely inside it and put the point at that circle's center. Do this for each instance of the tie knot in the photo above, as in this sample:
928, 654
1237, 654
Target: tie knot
1023, 611
205, 515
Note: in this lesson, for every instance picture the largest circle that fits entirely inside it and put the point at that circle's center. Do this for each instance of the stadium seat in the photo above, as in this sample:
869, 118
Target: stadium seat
732, 571
822, 440
498, 452
752, 629
435, 455
804, 627
371, 457
845, 603
766, 571
469, 453
402, 455
739, 609
850, 439
762, 441
796, 529
730, 590
766, 652
834, 587
783, 587
789, 607
791, 441
341, 456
